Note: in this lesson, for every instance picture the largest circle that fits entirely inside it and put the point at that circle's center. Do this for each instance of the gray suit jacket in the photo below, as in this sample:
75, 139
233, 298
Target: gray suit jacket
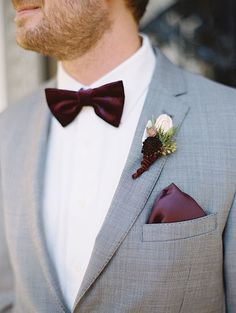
186, 267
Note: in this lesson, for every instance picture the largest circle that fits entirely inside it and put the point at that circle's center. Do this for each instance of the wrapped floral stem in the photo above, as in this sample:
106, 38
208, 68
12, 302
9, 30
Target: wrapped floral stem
145, 164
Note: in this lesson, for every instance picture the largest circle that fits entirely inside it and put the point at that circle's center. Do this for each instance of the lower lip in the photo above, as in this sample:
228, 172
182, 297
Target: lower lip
25, 12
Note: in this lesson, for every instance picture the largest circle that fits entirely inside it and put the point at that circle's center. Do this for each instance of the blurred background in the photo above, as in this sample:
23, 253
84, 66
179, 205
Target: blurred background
199, 35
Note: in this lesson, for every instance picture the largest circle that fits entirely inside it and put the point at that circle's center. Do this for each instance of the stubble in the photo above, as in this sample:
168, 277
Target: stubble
66, 31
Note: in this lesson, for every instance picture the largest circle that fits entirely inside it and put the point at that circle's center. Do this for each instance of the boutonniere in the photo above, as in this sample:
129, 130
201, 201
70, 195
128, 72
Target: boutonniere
157, 141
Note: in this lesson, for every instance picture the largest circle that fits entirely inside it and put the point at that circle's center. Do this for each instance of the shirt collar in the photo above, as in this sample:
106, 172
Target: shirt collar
135, 72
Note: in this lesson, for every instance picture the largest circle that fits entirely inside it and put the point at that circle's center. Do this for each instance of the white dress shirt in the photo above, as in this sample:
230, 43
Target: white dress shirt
83, 166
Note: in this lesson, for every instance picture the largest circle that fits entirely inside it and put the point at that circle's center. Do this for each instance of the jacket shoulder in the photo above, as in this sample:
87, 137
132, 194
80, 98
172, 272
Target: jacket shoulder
208, 92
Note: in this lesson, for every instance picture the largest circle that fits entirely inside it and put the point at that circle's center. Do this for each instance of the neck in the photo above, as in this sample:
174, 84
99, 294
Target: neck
116, 45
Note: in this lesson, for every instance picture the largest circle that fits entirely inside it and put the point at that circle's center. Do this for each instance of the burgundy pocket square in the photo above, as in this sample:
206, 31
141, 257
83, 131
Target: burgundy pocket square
172, 205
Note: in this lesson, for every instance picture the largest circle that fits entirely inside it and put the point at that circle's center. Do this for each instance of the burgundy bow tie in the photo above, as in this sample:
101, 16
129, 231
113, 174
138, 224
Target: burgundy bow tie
107, 101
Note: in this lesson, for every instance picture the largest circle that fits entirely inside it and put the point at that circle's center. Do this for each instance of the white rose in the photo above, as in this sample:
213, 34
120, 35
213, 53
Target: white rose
164, 122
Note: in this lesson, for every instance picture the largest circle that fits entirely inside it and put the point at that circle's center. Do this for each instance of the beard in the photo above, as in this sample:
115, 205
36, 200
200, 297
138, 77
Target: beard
65, 29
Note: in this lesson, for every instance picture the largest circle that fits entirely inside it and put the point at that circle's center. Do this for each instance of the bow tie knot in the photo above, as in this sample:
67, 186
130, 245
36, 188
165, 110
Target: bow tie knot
84, 96
107, 101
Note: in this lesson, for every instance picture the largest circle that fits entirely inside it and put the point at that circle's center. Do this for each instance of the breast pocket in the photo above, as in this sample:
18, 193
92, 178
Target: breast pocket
179, 230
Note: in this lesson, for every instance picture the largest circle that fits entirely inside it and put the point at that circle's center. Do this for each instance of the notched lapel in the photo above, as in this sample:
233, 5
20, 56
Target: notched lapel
166, 95
39, 128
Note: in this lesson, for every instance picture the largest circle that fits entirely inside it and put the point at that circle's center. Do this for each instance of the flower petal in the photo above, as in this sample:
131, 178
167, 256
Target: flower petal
164, 121
145, 134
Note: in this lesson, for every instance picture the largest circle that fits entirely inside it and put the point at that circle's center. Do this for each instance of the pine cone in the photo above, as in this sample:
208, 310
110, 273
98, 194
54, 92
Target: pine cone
151, 146
151, 151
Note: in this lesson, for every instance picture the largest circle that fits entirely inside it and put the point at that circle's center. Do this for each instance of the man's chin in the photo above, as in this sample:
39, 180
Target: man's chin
33, 44
24, 45
22, 41
27, 44
28, 39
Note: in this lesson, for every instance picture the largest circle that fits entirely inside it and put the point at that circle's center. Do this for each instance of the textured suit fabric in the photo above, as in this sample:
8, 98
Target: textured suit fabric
135, 267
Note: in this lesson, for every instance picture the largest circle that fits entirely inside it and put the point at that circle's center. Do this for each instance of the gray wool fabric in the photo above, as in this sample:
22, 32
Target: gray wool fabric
135, 267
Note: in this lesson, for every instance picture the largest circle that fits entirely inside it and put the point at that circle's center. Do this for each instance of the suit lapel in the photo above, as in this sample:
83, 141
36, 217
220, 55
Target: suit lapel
165, 96
38, 131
